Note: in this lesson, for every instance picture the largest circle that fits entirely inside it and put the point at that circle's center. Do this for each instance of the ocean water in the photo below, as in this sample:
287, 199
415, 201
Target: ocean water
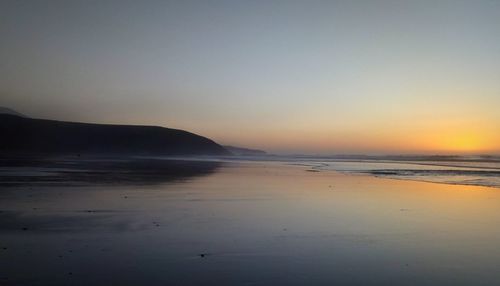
448, 172
159, 222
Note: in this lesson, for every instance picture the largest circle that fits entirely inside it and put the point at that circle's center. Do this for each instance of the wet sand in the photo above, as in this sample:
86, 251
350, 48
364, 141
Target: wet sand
237, 223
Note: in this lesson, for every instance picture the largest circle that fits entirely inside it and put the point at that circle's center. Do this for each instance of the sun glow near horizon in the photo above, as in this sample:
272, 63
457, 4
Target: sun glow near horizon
463, 142
427, 141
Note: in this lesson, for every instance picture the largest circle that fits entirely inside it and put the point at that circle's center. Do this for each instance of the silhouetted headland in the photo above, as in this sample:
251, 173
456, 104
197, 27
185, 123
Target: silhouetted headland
6, 110
22, 135
244, 151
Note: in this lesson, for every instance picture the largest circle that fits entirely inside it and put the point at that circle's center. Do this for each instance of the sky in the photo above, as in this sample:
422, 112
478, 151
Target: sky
312, 77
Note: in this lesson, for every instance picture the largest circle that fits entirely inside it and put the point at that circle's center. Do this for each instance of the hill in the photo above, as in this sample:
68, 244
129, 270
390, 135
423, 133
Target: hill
6, 110
244, 151
21, 135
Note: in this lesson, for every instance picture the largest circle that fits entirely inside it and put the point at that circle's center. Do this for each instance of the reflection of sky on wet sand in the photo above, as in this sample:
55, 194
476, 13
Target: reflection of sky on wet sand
251, 224
67, 171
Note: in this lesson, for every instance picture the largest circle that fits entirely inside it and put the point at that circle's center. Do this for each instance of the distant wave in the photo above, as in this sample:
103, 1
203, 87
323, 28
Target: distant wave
446, 172
435, 173
455, 177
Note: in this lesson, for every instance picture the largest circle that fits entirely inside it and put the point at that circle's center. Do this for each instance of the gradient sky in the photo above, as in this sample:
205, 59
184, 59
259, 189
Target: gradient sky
284, 76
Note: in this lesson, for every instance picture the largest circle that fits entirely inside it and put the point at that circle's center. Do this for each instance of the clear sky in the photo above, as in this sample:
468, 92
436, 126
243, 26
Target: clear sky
284, 76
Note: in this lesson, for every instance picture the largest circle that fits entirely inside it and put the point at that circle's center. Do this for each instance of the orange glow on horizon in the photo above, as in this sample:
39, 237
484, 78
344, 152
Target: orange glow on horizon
398, 141
462, 141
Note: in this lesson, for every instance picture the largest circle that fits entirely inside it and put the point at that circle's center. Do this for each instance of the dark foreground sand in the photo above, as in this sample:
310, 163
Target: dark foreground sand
152, 222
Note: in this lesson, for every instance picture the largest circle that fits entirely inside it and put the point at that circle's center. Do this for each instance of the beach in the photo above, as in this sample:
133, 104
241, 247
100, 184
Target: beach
240, 223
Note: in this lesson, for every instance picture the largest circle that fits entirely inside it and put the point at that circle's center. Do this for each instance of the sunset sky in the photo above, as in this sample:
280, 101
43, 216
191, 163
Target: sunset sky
316, 77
